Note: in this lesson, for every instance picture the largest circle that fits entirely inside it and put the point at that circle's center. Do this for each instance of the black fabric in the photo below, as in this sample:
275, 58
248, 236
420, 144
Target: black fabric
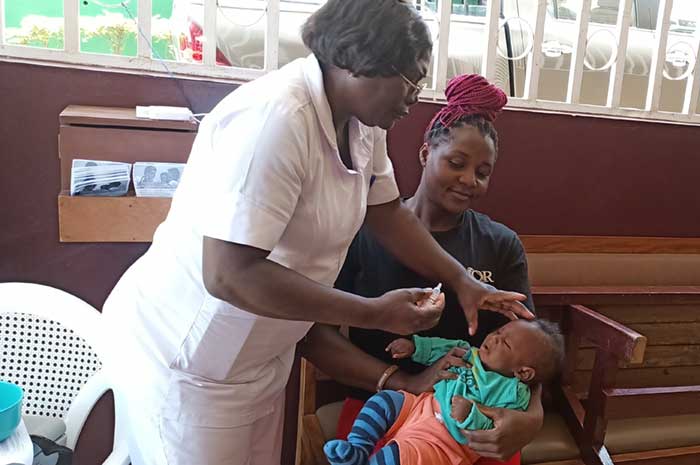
491, 250
47, 452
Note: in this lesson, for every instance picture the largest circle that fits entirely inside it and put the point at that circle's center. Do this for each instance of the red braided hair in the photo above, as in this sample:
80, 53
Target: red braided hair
469, 94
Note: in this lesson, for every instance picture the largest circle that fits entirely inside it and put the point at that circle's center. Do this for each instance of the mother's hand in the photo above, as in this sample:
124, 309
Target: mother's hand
474, 295
425, 380
512, 430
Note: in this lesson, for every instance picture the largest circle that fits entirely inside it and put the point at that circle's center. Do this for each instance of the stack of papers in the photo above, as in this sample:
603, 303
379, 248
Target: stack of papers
157, 179
99, 178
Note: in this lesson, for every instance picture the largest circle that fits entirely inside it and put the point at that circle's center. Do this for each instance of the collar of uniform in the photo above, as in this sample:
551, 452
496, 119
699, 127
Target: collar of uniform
361, 152
314, 80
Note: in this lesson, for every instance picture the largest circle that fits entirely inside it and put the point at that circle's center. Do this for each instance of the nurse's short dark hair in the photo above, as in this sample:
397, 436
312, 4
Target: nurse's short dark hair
368, 37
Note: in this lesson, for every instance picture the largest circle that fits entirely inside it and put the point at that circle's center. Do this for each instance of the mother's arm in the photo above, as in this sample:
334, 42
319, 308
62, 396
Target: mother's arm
346, 363
512, 429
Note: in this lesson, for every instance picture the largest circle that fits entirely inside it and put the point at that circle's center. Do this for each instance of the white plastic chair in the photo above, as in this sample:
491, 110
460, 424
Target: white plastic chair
52, 345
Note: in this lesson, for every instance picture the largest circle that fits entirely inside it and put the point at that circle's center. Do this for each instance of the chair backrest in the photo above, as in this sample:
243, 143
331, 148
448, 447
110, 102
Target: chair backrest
51, 345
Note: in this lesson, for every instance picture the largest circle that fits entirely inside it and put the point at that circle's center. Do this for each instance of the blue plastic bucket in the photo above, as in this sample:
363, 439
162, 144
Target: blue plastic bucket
10, 408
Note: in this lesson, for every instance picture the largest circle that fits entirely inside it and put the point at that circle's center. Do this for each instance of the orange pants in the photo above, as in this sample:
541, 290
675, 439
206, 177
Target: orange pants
447, 450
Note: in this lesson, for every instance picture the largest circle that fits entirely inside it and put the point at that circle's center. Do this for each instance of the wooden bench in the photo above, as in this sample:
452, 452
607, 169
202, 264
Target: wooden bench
644, 413
598, 401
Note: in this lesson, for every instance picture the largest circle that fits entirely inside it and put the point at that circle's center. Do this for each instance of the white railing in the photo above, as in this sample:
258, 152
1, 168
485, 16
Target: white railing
143, 41
659, 55
491, 25
535, 59
535, 62
624, 21
209, 45
71, 29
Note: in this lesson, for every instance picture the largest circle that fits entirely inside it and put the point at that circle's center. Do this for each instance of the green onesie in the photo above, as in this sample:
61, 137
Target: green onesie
476, 383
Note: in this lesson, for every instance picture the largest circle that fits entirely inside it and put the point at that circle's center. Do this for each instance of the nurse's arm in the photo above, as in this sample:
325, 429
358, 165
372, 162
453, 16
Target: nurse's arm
403, 235
242, 275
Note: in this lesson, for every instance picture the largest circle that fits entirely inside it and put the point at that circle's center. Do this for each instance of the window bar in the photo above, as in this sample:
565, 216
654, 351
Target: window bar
488, 59
573, 94
617, 71
535, 60
144, 36
71, 29
692, 86
440, 72
657, 60
2, 23
272, 34
211, 8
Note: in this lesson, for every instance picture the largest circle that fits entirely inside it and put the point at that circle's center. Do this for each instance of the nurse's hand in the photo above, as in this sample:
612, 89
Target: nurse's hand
474, 295
407, 311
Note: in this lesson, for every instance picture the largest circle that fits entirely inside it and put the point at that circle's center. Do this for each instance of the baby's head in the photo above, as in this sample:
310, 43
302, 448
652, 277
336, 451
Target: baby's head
532, 351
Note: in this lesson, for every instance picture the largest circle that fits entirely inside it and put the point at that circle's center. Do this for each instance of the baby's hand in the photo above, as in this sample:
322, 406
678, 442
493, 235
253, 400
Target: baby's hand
461, 407
401, 348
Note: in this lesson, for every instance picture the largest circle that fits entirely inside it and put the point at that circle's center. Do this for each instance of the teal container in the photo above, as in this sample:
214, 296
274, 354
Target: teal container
10, 408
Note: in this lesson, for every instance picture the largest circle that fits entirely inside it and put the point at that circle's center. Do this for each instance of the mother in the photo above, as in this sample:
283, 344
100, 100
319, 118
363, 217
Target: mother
280, 177
458, 159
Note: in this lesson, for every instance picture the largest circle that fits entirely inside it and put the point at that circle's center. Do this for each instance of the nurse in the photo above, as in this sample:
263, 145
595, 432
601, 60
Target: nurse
282, 174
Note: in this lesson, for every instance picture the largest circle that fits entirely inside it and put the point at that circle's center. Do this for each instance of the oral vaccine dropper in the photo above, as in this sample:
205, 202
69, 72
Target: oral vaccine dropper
436, 293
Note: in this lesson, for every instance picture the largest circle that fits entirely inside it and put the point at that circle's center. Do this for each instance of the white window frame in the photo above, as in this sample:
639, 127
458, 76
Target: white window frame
572, 105
143, 62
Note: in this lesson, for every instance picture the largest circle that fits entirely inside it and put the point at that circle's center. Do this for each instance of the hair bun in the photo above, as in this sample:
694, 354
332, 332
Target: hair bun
471, 94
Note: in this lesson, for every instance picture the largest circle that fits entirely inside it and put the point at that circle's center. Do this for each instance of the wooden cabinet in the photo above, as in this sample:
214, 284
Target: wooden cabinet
115, 134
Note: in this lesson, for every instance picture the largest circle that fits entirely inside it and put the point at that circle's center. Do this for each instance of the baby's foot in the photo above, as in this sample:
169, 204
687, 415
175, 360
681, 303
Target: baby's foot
340, 452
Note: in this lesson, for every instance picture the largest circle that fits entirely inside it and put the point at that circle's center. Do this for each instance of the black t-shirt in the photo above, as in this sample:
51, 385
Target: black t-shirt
490, 251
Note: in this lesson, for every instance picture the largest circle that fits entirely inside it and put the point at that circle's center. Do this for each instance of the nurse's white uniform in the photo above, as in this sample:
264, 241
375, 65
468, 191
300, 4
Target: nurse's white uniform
199, 381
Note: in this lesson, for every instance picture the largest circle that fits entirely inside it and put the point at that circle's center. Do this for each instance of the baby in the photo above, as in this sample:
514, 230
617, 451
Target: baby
427, 429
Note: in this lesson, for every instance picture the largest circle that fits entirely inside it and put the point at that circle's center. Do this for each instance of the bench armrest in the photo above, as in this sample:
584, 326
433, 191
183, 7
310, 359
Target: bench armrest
614, 343
651, 402
620, 341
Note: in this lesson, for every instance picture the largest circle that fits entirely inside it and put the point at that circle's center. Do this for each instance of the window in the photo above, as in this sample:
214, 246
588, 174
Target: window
629, 58
240, 31
620, 58
35, 24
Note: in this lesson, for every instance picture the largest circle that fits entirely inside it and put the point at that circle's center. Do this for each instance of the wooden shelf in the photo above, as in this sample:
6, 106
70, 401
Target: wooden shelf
121, 117
110, 219
115, 134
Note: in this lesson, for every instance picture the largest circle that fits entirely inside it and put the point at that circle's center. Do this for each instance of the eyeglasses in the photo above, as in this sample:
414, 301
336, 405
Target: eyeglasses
417, 88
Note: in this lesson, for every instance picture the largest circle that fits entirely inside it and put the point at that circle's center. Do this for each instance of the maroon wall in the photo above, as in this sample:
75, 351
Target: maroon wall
575, 175
32, 97
556, 175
